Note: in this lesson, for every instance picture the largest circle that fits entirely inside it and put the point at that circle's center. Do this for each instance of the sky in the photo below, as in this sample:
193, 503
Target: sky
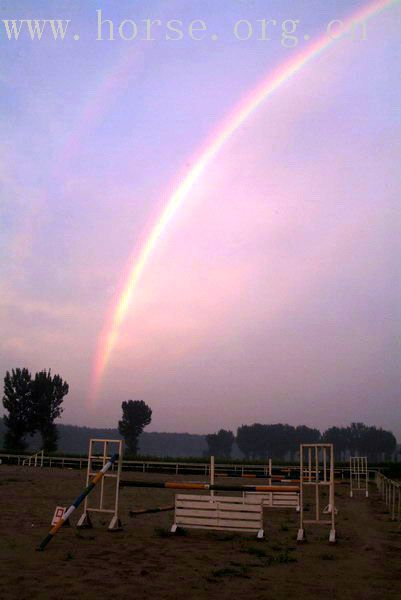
273, 293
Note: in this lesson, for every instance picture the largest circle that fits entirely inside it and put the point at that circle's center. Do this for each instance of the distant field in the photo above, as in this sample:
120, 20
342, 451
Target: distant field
143, 561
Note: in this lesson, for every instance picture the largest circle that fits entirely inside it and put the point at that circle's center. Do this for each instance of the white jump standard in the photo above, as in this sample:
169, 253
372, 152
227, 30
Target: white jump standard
115, 523
358, 475
65, 517
316, 459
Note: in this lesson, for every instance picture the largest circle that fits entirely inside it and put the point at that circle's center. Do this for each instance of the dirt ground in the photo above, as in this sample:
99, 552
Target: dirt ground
145, 561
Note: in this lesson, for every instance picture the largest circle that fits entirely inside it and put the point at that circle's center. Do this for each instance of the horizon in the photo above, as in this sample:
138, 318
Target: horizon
150, 430
206, 433
271, 293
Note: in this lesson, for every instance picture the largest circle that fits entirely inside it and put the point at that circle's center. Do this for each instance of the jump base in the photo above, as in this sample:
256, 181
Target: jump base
115, 524
85, 521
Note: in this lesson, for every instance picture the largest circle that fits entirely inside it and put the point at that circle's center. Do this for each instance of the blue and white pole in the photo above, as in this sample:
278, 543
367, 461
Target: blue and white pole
77, 502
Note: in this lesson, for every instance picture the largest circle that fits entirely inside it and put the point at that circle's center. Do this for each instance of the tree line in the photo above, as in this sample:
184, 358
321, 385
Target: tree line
279, 441
34, 403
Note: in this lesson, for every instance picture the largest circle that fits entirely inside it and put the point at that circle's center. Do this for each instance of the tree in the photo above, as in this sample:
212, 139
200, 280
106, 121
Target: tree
280, 439
136, 415
221, 443
339, 437
388, 444
359, 439
17, 401
379, 443
307, 435
252, 440
47, 397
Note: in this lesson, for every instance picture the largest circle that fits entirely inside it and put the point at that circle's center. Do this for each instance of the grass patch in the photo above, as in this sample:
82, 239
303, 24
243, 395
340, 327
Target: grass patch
284, 557
162, 532
326, 556
240, 571
227, 537
88, 538
221, 537
12, 480
280, 555
259, 552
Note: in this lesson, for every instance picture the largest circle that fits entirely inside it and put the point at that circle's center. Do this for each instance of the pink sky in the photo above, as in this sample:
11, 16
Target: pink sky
273, 295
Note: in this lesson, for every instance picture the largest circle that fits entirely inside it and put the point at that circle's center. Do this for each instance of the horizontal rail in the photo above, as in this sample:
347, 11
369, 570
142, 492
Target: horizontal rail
154, 466
179, 485
35, 459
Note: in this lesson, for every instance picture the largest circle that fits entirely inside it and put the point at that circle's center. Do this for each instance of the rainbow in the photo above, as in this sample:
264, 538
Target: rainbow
118, 310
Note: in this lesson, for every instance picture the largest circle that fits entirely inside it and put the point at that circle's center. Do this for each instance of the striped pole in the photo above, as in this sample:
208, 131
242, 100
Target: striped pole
77, 502
177, 485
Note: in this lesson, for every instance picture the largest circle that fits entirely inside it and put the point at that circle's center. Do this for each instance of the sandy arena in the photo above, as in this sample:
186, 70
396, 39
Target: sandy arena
145, 561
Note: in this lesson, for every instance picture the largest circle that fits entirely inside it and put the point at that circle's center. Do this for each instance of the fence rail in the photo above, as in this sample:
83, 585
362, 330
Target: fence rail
390, 491
175, 468
35, 460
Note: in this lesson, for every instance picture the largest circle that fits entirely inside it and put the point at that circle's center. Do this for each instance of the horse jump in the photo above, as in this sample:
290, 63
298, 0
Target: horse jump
221, 513
313, 459
358, 475
115, 523
64, 519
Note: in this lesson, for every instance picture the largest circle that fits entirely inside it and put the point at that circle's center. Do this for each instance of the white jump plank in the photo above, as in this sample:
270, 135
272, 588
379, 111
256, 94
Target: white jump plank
218, 513
189, 521
246, 507
217, 528
208, 498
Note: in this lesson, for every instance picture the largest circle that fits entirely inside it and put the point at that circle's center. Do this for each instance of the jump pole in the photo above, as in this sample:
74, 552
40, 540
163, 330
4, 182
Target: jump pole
178, 485
77, 502
156, 509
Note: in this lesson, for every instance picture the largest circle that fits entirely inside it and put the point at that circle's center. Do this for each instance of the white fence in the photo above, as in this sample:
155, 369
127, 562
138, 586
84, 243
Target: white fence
390, 491
35, 460
169, 467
